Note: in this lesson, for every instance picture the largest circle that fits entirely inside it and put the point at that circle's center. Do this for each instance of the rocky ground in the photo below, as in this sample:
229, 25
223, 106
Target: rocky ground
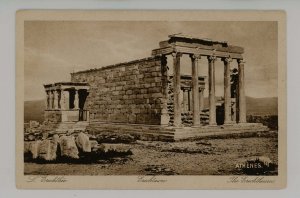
207, 156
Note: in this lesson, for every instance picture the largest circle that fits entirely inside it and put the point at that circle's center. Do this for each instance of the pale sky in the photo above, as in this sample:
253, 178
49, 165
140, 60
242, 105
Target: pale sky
55, 49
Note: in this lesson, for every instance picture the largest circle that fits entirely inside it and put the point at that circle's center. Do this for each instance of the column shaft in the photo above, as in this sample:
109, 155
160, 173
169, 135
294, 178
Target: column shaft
201, 99
242, 97
234, 110
189, 100
211, 78
227, 91
195, 89
176, 84
185, 100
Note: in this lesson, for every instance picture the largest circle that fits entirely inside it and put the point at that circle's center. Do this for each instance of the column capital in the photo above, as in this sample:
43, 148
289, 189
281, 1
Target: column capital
241, 61
185, 89
195, 56
212, 58
201, 89
176, 54
227, 59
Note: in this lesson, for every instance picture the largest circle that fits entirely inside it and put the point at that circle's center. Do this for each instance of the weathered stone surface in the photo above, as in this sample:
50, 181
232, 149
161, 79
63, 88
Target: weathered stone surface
110, 137
119, 148
94, 143
32, 148
34, 124
45, 135
55, 138
27, 147
83, 142
53, 117
98, 148
47, 150
31, 137
118, 88
68, 147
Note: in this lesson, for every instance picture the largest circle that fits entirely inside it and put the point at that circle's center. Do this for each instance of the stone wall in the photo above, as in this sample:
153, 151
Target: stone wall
52, 116
132, 92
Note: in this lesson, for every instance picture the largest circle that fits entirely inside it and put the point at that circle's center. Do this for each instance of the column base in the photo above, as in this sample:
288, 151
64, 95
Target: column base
196, 126
178, 127
212, 124
242, 123
229, 123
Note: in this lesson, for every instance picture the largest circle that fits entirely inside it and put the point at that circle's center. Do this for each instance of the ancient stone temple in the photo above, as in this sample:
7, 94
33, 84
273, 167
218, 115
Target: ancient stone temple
144, 97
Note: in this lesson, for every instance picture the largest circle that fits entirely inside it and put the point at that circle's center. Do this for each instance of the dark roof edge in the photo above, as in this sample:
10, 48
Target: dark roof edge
66, 83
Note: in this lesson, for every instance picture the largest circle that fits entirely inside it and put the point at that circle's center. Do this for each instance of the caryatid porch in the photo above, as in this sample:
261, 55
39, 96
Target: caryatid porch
196, 48
65, 102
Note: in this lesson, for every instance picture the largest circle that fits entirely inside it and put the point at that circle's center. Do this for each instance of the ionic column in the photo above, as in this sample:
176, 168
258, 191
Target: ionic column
189, 100
176, 84
201, 99
76, 100
55, 99
242, 97
195, 90
211, 80
233, 110
227, 91
185, 100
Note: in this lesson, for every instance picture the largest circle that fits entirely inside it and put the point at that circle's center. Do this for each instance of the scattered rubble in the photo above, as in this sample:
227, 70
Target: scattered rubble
115, 138
83, 142
47, 150
75, 146
68, 147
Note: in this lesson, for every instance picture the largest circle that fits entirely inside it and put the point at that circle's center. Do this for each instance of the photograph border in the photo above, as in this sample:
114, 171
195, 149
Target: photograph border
160, 182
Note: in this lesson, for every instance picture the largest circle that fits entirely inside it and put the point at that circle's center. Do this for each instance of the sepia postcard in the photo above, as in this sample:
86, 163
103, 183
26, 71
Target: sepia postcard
150, 99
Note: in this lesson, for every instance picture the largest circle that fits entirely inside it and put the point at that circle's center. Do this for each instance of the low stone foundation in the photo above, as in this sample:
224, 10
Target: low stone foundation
168, 133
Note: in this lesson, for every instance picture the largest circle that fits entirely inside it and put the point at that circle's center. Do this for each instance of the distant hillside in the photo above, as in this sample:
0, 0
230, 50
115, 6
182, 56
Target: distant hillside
262, 106
34, 110
258, 106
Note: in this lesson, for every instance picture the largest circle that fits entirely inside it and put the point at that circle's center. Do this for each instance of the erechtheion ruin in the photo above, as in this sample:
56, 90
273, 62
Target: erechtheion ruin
144, 97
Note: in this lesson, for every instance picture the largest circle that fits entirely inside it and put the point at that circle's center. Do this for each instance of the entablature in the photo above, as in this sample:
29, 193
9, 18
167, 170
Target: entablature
204, 47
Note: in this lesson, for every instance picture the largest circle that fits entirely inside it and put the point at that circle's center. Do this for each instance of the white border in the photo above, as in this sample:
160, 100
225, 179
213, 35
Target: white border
7, 87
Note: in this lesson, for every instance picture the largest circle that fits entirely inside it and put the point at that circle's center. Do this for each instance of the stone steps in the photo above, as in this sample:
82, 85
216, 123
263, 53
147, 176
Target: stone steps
218, 130
161, 133
144, 132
